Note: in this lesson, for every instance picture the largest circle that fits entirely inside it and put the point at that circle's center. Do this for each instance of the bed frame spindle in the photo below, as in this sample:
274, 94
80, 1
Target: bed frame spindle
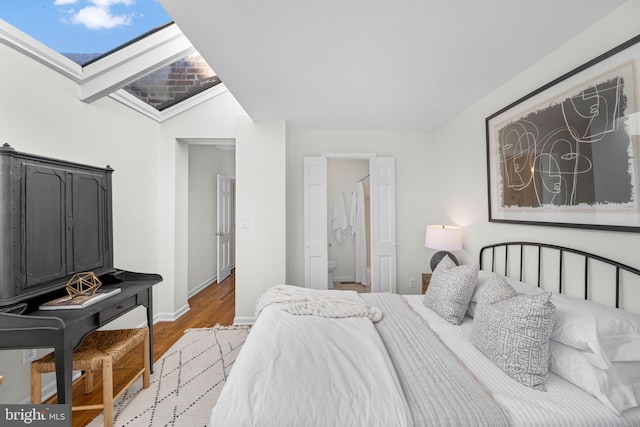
586, 278
539, 265
560, 273
506, 261
521, 258
617, 286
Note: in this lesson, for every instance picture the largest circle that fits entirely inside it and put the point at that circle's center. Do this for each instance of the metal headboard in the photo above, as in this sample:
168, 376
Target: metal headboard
588, 257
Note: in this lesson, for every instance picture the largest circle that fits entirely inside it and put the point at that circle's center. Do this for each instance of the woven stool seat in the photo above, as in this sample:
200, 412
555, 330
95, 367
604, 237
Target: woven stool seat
98, 351
91, 353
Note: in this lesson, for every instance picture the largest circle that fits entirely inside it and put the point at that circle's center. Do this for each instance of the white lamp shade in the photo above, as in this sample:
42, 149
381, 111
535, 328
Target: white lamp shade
443, 237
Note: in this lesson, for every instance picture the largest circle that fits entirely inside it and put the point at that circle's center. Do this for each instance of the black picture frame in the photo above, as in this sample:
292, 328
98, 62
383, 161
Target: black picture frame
568, 153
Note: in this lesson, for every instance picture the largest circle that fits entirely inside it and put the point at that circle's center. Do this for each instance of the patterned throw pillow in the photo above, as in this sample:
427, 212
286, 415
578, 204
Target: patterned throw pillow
496, 289
450, 290
514, 334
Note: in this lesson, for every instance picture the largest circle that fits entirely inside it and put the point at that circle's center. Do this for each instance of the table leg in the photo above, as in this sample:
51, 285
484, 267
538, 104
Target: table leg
150, 325
64, 372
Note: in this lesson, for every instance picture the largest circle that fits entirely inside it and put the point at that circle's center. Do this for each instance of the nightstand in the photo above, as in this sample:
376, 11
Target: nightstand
426, 278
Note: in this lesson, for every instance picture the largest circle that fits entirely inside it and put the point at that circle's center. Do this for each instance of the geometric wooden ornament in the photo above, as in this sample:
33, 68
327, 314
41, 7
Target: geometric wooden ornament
83, 284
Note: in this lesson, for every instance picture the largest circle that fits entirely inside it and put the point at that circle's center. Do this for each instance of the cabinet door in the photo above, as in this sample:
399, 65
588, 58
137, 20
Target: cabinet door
88, 225
43, 206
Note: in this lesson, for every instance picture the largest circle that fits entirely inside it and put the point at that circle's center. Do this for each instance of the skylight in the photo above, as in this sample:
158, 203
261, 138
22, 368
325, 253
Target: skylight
83, 30
174, 83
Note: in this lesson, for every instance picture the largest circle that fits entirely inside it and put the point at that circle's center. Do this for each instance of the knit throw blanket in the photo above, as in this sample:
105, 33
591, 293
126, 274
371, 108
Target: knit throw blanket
313, 302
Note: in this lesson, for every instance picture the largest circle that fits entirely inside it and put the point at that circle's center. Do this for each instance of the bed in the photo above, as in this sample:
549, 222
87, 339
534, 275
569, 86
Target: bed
329, 358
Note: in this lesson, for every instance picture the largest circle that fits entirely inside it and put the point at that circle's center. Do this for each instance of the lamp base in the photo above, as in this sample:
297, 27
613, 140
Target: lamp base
437, 257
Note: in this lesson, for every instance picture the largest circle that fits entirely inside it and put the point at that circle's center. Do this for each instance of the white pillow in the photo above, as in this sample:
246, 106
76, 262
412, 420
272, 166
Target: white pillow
450, 290
605, 334
617, 387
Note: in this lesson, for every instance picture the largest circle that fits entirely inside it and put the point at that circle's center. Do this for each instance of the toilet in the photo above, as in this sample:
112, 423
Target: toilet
332, 266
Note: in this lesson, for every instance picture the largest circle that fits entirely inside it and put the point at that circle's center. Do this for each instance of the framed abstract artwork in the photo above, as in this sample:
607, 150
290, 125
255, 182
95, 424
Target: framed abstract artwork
567, 154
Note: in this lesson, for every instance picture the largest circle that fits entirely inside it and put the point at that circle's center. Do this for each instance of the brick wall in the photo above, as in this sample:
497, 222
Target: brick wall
175, 82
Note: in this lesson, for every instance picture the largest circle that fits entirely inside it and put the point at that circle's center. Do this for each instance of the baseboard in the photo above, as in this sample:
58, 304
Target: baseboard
206, 283
170, 317
346, 279
240, 320
202, 285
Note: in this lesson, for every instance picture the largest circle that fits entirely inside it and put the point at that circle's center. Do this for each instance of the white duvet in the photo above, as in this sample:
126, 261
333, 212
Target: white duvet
338, 373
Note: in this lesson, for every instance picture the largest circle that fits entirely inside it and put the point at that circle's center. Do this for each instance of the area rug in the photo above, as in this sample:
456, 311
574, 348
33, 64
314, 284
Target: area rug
186, 382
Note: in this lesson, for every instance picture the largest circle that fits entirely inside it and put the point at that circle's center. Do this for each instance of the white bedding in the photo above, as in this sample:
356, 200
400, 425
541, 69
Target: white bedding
358, 388
563, 404
317, 371
315, 302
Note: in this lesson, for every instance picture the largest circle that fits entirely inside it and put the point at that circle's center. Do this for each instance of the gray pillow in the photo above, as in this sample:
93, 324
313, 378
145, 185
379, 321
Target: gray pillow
483, 278
450, 290
513, 333
495, 288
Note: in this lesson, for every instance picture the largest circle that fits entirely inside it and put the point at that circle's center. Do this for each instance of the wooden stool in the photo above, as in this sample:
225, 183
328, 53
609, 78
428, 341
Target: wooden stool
99, 351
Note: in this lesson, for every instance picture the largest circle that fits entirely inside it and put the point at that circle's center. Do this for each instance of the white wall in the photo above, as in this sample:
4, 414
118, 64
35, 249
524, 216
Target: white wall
458, 160
260, 198
414, 199
206, 162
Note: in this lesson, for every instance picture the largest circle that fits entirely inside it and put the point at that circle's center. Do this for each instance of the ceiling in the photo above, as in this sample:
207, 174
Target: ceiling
374, 64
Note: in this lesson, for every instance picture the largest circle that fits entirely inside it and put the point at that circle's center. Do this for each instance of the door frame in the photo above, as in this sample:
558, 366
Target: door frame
309, 282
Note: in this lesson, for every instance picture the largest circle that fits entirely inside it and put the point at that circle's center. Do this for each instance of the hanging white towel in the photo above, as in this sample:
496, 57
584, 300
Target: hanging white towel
339, 220
360, 234
352, 213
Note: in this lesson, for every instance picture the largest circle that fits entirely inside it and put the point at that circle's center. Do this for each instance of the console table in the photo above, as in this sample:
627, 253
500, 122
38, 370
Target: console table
64, 330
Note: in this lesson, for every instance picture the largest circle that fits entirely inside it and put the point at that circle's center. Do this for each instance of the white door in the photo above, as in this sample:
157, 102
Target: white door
383, 224
224, 227
316, 274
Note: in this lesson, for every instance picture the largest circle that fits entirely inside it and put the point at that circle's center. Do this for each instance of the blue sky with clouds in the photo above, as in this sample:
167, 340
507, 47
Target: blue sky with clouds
84, 26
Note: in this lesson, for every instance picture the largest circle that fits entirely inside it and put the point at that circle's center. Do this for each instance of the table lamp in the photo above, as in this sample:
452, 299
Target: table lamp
444, 238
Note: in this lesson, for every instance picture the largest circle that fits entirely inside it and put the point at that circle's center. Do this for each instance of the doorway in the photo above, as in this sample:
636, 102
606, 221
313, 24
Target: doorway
382, 226
207, 159
349, 224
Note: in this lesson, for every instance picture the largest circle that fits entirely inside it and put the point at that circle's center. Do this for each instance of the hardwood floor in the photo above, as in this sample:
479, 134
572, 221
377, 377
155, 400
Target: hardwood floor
213, 305
349, 286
